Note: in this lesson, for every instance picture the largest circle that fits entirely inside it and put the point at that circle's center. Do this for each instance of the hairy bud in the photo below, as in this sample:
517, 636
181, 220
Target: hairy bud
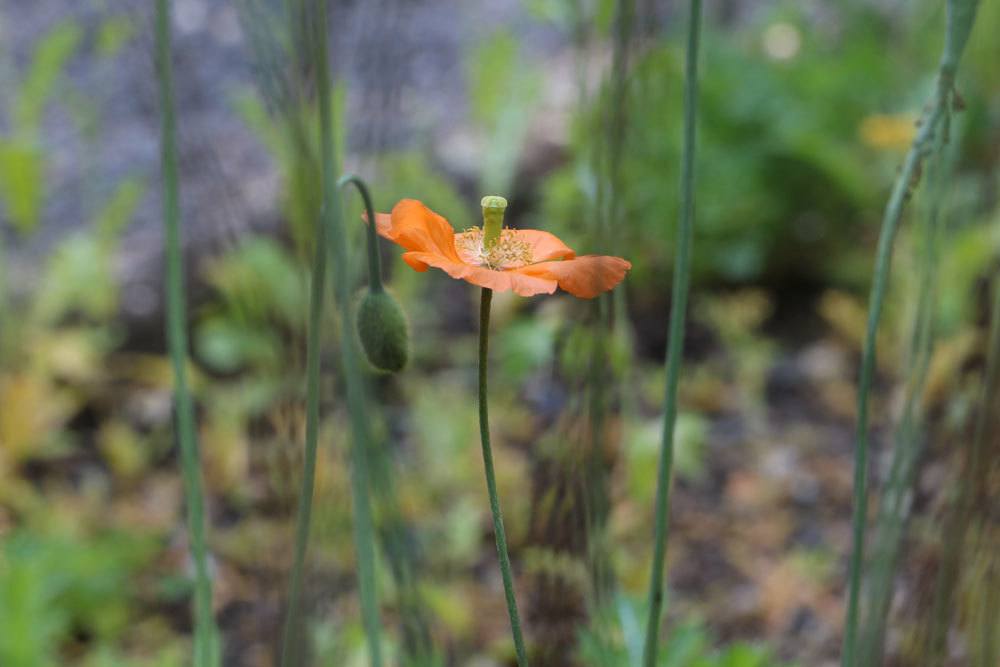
383, 331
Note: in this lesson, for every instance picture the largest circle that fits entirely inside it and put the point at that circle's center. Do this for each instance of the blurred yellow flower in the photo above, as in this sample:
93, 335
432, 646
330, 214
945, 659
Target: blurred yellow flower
888, 131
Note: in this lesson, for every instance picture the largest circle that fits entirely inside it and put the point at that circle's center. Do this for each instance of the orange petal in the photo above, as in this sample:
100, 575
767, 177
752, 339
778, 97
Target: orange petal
498, 281
544, 246
585, 277
415, 227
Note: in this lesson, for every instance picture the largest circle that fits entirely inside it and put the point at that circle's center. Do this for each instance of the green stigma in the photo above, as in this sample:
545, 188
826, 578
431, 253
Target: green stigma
493, 209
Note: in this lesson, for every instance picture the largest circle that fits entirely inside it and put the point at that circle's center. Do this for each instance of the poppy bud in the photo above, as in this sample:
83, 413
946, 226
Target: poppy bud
383, 331
493, 208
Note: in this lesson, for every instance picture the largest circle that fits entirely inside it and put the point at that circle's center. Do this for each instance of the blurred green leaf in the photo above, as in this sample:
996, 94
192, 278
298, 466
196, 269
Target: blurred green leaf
47, 65
503, 93
22, 176
52, 584
227, 346
118, 211
80, 276
690, 644
114, 33
260, 280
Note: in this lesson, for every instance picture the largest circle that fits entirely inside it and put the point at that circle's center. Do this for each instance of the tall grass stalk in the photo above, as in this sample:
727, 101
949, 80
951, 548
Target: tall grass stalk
675, 341
608, 314
332, 220
961, 16
206, 640
909, 439
403, 555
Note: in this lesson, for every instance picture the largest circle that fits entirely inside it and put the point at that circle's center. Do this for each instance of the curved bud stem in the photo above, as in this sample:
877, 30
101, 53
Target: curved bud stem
374, 261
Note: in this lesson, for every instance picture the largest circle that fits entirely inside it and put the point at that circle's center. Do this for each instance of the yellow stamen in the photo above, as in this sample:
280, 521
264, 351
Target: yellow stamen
507, 252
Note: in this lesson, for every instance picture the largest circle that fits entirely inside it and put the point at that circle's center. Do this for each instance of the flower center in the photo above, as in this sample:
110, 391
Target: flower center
507, 252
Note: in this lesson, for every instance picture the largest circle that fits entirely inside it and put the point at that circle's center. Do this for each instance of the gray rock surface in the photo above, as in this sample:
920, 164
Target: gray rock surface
402, 60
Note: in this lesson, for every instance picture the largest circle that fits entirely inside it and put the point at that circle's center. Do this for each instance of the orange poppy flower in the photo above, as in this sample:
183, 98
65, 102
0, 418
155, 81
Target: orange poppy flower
527, 261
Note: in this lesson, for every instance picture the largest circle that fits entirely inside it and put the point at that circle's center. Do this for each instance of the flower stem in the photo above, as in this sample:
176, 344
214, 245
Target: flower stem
206, 640
374, 261
491, 482
675, 343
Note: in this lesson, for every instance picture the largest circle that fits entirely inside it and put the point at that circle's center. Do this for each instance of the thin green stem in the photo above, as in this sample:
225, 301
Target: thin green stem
675, 342
909, 442
374, 261
491, 482
364, 533
206, 640
961, 16
883, 260
291, 644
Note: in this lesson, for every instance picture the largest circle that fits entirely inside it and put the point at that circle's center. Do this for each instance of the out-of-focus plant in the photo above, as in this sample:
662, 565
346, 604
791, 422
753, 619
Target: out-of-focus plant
207, 641
503, 94
934, 131
909, 437
573, 15
737, 318
281, 125
22, 157
58, 348
55, 349
258, 307
330, 240
785, 198
264, 333
968, 535
51, 585
675, 335
80, 278
690, 644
